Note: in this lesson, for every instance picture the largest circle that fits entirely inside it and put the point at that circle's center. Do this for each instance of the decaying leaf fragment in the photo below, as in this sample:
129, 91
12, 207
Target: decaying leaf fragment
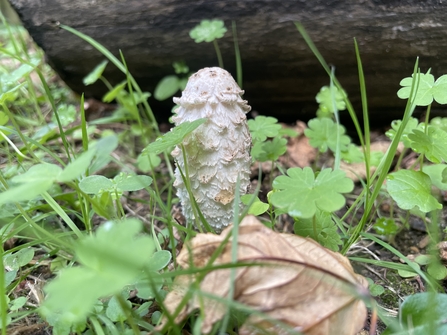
299, 283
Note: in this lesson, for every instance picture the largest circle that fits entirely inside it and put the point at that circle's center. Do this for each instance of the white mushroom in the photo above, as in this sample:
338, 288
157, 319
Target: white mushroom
218, 151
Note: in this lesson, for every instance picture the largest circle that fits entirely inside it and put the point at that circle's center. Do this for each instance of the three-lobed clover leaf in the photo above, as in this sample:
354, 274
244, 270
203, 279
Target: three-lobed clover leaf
301, 193
412, 189
412, 123
67, 114
322, 134
439, 122
432, 144
320, 228
326, 98
269, 150
353, 154
427, 90
262, 127
208, 31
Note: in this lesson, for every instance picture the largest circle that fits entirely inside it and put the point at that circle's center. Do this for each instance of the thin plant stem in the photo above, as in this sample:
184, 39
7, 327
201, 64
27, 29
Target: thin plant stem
219, 55
237, 54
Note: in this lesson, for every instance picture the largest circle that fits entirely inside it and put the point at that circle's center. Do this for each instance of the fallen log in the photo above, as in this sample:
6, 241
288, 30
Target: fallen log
281, 76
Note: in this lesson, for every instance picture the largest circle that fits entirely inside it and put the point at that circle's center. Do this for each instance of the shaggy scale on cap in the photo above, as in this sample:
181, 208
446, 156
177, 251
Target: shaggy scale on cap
218, 151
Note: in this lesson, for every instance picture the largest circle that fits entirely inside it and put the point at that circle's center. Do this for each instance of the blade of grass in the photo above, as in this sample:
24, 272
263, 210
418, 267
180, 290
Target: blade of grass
383, 168
237, 54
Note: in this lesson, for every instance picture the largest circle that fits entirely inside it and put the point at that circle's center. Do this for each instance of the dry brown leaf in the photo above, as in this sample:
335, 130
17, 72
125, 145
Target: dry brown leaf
299, 152
303, 285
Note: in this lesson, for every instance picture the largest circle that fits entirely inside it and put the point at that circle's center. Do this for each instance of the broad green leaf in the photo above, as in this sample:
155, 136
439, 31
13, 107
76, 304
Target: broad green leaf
114, 310
173, 137
25, 192
320, 228
159, 260
436, 173
269, 150
433, 144
10, 276
18, 303
208, 31
385, 226
95, 184
77, 167
148, 287
104, 147
322, 134
38, 173
38, 179
326, 99
437, 270
427, 90
301, 193
412, 189
423, 314
257, 207
262, 127
412, 123
376, 290
3, 118
93, 76
112, 94
166, 88
19, 258
125, 182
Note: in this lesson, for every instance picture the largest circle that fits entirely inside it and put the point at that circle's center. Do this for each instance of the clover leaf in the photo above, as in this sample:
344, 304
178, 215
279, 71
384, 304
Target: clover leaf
110, 259
270, 150
353, 154
301, 193
437, 174
325, 98
263, 126
427, 89
320, 228
439, 122
432, 144
412, 123
322, 134
412, 189
66, 113
208, 31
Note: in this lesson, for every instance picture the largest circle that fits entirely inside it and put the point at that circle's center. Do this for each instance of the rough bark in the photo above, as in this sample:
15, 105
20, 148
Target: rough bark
281, 76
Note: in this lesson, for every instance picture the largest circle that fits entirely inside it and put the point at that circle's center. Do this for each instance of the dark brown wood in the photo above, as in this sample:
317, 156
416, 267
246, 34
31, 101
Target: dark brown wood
281, 76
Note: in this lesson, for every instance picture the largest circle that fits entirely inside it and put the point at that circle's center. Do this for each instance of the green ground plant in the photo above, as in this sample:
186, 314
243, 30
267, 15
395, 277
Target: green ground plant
111, 266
